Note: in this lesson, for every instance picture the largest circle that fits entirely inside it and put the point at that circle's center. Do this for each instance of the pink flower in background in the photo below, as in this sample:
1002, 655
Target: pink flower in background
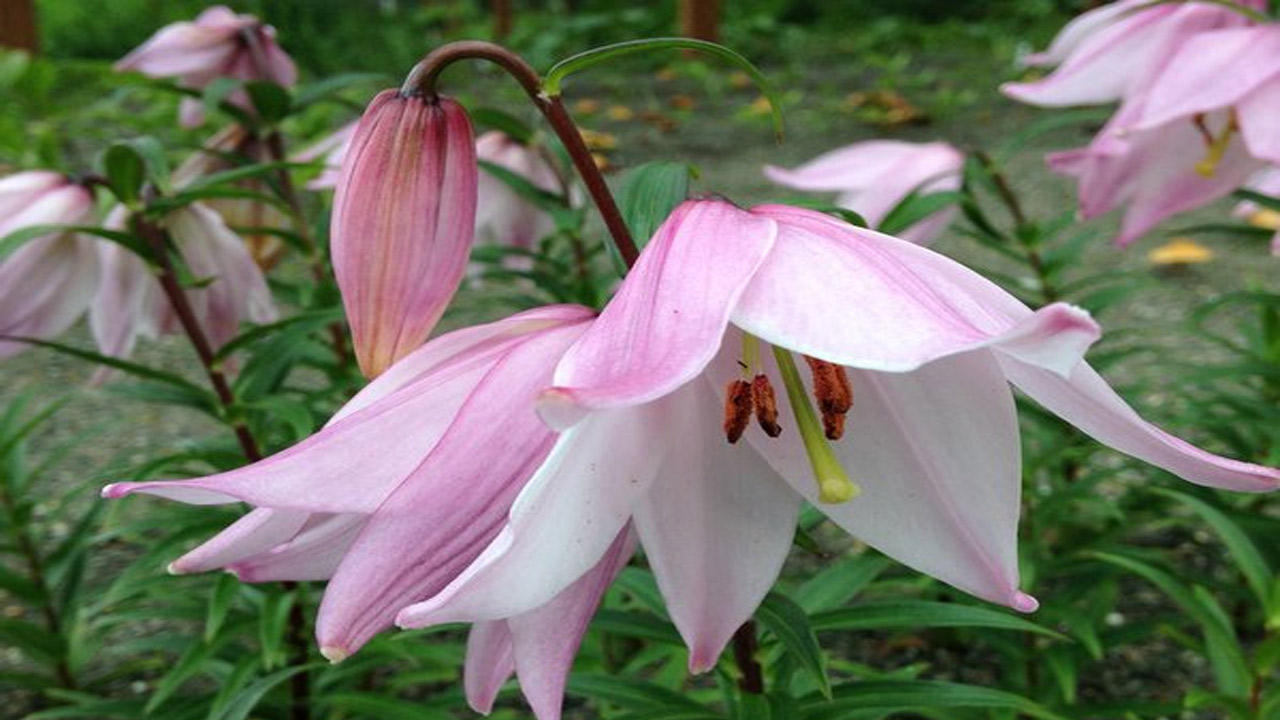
46, 284
874, 177
218, 44
921, 345
503, 217
1113, 52
403, 488
1154, 174
403, 222
130, 302
333, 149
1266, 182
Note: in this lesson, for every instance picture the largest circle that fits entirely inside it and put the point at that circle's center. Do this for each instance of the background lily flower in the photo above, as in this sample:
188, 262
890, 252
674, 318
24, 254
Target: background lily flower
130, 303
503, 217
219, 43
1114, 51
403, 222
46, 284
928, 346
333, 149
1154, 174
874, 177
1229, 71
402, 488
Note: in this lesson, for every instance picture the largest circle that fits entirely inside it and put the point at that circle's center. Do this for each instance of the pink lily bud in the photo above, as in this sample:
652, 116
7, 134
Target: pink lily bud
503, 217
218, 44
874, 177
47, 283
403, 222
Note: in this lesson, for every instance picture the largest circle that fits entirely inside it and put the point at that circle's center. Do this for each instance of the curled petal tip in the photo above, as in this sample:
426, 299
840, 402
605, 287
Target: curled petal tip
559, 409
1024, 603
114, 491
702, 660
334, 654
174, 568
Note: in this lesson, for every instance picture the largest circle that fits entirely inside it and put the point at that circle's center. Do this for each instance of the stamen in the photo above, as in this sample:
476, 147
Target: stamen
834, 392
834, 485
766, 405
1217, 147
737, 409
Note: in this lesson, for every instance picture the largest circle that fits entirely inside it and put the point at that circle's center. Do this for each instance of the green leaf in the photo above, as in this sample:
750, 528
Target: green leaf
244, 701
17, 238
631, 694
193, 661
272, 626
507, 124
1246, 555
556, 75
907, 695
35, 642
788, 622
840, 582
636, 625
544, 200
369, 705
922, 613
225, 589
125, 171
916, 207
270, 100
648, 195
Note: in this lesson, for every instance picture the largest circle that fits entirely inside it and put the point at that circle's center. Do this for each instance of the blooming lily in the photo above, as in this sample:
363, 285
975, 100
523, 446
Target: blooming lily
218, 44
874, 177
503, 217
402, 488
403, 222
1113, 52
47, 283
915, 349
131, 304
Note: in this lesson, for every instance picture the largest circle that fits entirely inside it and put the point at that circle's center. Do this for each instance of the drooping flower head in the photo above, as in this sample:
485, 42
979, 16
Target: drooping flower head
403, 222
873, 177
503, 216
218, 44
46, 283
402, 489
131, 304
906, 350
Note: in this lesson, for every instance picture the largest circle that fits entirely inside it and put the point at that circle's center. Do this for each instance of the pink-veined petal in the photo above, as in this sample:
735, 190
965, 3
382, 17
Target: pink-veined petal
45, 286
940, 491
257, 531
565, 519
716, 526
1086, 25
666, 321
547, 639
1257, 117
451, 506
490, 662
313, 553
1088, 402
837, 292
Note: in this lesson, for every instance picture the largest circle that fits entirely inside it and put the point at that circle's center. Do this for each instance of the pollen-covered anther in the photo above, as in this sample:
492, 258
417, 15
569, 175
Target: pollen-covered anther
766, 405
737, 409
834, 393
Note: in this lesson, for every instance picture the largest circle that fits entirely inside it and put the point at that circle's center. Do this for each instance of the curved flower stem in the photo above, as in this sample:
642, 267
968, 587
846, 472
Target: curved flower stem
422, 81
157, 240
744, 653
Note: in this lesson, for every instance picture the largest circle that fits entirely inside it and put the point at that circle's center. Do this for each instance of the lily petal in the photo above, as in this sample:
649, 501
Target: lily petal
312, 554
716, 526
257, 531
1088, 402
666, 321
489, 664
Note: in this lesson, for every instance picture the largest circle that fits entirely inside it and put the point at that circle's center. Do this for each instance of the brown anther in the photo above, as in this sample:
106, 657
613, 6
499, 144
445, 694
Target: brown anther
766, 406
834, 393
737, 409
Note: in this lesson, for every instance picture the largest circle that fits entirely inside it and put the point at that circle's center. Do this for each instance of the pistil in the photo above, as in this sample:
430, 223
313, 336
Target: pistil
834, 485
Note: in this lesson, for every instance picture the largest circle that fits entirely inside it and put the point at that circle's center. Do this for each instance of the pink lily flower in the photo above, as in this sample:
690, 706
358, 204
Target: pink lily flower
1113, 52
1155, 173
218, 44
918, 345
503, 217
130, 303
874, 177
402, 489
333, 148
47, 283
1236, 72
403, 222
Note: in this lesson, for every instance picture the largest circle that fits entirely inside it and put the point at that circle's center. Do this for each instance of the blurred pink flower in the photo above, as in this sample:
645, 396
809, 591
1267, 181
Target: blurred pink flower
131, 304
333, 149
46, 284
403, 222
1113, 52
503, 217
924, 345
1266, 182
402, 489
218, 44
874, 177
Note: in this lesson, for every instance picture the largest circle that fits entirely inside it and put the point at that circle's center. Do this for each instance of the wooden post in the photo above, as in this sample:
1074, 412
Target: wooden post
700, 19
18, 25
